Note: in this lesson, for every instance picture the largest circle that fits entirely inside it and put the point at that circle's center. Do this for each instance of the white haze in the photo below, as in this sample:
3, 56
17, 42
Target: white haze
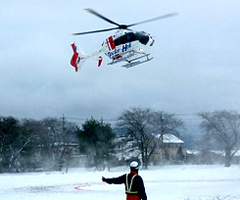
184, 182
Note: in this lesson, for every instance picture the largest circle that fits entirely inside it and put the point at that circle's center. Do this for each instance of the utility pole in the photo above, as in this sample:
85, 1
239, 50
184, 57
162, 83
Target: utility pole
63, 124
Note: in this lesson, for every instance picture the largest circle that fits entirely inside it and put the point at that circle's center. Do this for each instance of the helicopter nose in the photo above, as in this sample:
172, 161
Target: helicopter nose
151, 41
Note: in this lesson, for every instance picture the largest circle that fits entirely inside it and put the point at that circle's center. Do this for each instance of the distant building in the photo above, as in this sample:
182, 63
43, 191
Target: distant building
210, 157
168, 150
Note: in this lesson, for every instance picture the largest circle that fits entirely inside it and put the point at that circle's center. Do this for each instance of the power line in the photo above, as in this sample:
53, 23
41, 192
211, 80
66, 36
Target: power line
84, 119
193, 116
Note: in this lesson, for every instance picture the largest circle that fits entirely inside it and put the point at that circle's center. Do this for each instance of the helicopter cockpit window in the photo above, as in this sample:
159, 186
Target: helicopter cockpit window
128, 37
142, 37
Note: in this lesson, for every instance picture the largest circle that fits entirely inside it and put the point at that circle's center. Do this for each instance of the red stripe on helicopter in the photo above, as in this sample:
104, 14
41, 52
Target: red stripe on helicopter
118, 56
109, 48
110, 43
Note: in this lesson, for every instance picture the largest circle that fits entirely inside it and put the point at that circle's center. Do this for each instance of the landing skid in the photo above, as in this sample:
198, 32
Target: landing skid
132, 62
129, 54
137, 61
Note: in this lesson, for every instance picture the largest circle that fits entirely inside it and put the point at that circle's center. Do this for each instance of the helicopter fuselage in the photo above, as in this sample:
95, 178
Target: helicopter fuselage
124, 45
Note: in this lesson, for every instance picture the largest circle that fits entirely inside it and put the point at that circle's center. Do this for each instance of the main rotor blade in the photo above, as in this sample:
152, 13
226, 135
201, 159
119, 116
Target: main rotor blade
95, 31
102, 17
154, 19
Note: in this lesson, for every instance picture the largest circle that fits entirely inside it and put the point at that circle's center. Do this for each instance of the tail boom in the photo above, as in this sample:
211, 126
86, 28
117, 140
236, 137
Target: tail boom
79, 57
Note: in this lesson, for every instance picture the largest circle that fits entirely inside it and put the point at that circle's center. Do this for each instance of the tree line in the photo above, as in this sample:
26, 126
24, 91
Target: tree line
28, 144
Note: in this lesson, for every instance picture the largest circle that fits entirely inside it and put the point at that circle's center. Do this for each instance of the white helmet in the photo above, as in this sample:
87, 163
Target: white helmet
134, 165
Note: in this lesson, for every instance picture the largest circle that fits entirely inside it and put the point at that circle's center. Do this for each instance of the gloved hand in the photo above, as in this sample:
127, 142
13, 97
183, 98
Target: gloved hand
103, 179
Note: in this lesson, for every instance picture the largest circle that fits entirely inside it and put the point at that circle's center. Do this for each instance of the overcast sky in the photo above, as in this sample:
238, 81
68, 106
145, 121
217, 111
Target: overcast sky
196, 65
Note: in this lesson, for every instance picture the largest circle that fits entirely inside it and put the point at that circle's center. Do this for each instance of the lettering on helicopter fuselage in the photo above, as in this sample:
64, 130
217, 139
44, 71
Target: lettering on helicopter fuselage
114, 52
124, 48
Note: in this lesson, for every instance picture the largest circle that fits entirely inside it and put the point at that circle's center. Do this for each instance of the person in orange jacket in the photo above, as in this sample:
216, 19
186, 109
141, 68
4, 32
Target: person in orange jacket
134, 186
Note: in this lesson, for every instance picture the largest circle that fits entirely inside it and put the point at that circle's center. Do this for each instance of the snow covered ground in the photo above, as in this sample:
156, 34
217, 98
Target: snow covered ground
182, 182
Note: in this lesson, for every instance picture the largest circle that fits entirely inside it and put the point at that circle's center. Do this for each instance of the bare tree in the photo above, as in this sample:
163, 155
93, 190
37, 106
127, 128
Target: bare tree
137, 122
224, 128
54, 140
144, 124
11, 143
147, 127
165, 123
29, 144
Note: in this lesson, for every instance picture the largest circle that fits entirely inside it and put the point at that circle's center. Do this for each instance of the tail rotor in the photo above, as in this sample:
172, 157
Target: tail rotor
78, 57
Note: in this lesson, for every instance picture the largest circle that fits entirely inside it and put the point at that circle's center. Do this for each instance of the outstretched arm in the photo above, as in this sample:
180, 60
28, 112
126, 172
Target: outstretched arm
117, 180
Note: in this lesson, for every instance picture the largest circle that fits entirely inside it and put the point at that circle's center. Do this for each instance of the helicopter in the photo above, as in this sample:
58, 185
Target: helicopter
125, 45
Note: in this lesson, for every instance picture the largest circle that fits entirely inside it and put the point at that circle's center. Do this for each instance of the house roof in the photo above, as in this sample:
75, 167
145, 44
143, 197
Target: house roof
170, 138
167, 138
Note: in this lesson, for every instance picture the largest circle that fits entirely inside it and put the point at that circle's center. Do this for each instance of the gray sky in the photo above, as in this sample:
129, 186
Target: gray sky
196, 65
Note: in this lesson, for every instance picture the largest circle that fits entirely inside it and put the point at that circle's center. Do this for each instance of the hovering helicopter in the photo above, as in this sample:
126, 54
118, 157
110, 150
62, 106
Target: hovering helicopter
127, 45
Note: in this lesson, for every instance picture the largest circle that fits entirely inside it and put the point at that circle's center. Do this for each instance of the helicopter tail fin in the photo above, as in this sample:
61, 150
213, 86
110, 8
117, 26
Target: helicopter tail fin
77, 59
